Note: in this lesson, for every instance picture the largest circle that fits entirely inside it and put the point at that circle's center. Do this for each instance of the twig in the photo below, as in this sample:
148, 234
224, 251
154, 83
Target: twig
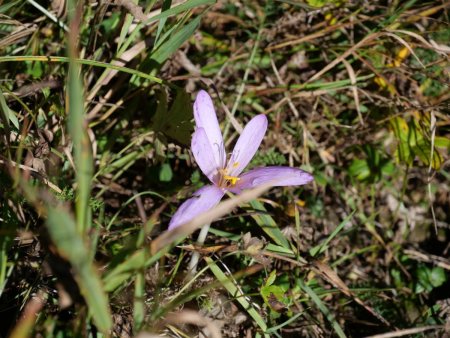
134, 9
427, 258
34, 172
33, 88
407, 332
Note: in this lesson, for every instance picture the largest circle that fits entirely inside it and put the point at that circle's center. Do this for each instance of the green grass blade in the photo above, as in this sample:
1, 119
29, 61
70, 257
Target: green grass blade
170, 12
323, 246
165, 6
176, 40
236, 293
64, 234
287, 322
81, 146
7, 264
124, 31
139, 300
124, 270
48, 14
127, 268
170, 31
4, 8
64, 59
7, 114
181, 8
315, 298
267, 223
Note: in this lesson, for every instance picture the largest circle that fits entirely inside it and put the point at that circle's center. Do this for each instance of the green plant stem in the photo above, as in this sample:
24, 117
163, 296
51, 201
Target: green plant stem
192, 269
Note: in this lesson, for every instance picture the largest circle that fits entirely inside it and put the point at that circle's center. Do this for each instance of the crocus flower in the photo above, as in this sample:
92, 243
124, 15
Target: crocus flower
209, 153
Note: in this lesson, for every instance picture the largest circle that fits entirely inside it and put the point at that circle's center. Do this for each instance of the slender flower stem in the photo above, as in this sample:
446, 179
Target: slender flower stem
192, 269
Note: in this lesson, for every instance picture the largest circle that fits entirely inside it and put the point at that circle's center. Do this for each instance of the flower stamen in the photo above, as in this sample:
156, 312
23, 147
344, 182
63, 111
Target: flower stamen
227, 181
231, 179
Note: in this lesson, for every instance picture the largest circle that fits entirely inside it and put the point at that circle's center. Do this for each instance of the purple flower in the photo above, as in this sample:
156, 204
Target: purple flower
209, 152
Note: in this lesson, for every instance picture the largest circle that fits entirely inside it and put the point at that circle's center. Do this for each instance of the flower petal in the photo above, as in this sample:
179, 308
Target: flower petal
277, 176
203, 153
247, 145
203, 199
205, 117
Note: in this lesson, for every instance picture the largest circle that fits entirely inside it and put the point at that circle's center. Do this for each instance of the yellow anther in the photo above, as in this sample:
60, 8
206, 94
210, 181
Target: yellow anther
227, 181
235, 164
232, 179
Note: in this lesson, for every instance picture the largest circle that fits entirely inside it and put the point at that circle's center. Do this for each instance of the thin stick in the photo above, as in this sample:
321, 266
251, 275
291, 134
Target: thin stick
35, 173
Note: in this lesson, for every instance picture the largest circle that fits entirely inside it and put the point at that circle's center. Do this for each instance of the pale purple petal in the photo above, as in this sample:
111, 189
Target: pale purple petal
205, 117
203, 199
202, 150
247, 145
276, 176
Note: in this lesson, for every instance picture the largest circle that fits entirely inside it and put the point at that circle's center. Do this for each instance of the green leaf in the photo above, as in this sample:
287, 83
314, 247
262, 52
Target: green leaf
403, 153
360, 169
124, 270
413, 141
70, 245
269, 290
271, 279
6, 114
4, 8
175, 123
273, 291
165, 173
388, 168
124, 31
438, 276
321, 3
35, 69
424, 152
268, 157
442, 142
267, 223
165, 6
172, 44
122, 161
429, 278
